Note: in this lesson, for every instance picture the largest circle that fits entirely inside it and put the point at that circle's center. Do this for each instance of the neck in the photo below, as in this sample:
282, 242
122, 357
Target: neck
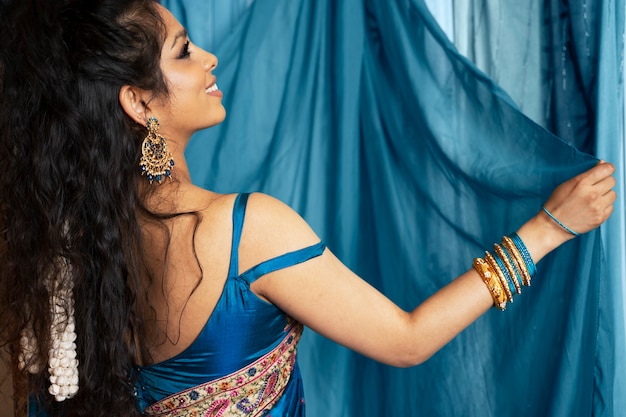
165, 197
180, 171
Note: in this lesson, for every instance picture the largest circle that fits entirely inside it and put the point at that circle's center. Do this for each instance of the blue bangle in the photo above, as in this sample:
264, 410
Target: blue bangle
506, 274
559, 223
528, 260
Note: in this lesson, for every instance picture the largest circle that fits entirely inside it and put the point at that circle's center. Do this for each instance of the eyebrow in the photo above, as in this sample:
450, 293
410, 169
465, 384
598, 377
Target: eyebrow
181, 34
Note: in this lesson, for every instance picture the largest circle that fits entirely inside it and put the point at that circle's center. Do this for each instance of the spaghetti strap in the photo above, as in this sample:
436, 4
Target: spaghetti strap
283, 261
239, 211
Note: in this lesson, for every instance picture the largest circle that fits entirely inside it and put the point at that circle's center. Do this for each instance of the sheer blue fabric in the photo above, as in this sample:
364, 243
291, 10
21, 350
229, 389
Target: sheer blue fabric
241, 329
408, 161
579, 96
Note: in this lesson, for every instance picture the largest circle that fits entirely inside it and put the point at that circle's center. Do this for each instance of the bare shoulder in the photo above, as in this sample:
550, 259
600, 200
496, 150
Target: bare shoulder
270, 218
272, 228
213, 233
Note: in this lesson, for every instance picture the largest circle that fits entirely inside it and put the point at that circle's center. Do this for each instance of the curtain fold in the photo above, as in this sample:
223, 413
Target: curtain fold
409, 162
563, 64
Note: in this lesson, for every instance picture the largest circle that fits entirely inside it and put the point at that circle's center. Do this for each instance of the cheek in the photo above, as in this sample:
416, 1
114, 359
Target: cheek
182, 99
185, 85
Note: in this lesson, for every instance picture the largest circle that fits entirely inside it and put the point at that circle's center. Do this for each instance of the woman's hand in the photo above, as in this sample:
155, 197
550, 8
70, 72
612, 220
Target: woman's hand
585, 201
581, 204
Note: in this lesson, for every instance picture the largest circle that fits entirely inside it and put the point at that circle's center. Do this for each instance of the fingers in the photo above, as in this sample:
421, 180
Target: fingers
605, 185
607, 200
608, 208
602, 198
602, 182
600, 209
598, 173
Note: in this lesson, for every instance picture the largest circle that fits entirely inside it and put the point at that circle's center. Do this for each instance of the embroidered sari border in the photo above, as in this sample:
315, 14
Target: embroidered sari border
246, 392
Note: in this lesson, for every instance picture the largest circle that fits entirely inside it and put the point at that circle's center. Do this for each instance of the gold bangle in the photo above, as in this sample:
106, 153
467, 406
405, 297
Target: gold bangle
517, 257
509, 267
505, 285
492, 282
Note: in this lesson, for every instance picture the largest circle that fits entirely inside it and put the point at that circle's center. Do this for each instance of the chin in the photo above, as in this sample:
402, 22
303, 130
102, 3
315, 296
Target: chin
217, 119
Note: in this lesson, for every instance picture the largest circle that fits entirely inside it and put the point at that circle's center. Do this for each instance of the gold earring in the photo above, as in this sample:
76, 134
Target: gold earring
156, 160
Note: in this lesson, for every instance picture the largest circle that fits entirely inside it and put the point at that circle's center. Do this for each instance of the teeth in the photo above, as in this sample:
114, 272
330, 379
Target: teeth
211, 88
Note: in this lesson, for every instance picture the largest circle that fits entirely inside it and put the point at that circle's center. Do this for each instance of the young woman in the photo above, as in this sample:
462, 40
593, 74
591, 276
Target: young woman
125, 289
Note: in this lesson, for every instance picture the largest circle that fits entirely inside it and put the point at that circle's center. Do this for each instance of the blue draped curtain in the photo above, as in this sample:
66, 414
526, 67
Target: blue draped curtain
563, 63
409, 161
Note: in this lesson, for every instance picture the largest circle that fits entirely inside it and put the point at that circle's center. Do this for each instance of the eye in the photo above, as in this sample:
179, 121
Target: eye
184, 53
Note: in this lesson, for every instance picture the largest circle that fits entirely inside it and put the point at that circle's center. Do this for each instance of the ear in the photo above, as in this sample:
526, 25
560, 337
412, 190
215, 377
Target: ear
133, 100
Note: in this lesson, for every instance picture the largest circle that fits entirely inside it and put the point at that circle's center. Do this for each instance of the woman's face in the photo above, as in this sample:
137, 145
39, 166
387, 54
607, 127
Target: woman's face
194, 102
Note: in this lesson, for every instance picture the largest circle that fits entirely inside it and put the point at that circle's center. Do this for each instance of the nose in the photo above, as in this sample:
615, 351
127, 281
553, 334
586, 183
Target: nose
210, 61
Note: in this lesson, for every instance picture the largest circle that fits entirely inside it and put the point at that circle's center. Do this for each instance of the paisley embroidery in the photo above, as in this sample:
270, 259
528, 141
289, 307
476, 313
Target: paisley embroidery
247, 392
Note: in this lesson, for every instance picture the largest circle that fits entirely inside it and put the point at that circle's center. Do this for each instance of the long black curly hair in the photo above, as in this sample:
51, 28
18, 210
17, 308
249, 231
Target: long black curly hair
69, 159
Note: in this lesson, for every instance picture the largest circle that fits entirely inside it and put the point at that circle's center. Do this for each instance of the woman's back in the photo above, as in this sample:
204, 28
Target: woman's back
188, 264
189, 258
240, 352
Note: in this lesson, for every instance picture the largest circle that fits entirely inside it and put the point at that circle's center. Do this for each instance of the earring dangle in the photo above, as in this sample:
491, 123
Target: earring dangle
156, 160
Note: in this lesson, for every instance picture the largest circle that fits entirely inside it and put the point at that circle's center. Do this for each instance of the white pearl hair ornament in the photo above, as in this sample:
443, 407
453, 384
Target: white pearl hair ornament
62, 362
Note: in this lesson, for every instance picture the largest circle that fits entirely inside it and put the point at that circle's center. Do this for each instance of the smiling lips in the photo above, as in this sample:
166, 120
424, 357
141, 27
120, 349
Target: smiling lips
213, 90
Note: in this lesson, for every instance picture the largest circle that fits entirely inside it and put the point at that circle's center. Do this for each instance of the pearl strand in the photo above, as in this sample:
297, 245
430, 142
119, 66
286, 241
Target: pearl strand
62, 361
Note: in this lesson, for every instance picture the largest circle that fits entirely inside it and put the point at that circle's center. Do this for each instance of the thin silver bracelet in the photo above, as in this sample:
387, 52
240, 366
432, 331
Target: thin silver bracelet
559, 223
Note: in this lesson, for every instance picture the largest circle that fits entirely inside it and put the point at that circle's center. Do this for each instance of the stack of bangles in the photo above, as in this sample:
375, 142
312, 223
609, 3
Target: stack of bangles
504, 272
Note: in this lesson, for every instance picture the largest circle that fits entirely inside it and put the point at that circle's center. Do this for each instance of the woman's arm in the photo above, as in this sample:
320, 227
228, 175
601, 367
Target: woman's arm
326, 296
